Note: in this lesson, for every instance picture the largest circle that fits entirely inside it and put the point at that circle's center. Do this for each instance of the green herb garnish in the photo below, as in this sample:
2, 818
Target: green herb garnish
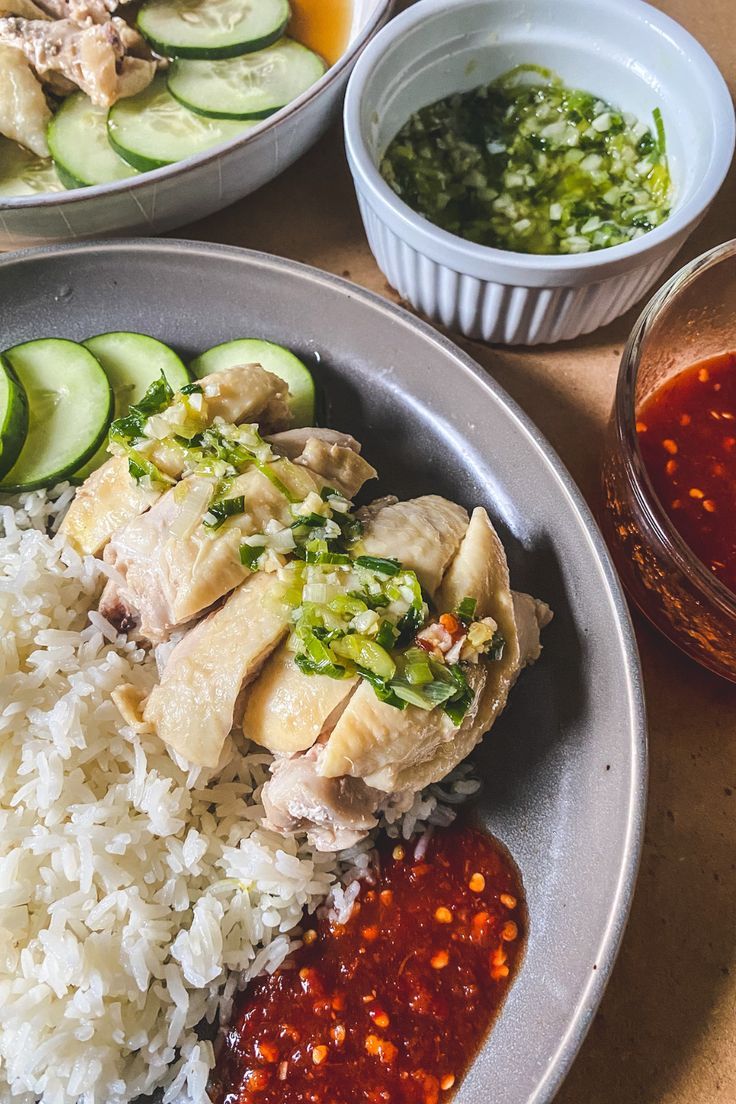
221, 510
527, 164
466, 608
380, 564
250, 554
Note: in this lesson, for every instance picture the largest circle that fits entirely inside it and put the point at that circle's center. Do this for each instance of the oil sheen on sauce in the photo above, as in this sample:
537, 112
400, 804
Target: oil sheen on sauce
323, 25
392, 1006
687, 436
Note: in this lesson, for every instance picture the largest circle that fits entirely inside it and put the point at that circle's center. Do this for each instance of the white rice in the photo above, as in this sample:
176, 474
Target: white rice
136, 895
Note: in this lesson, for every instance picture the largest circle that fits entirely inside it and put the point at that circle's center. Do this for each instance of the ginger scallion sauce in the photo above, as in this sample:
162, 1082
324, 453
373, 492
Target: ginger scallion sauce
527, 164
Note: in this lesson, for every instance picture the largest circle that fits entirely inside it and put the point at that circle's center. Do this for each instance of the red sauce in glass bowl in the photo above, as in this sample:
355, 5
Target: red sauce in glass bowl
687, 437
390, 1007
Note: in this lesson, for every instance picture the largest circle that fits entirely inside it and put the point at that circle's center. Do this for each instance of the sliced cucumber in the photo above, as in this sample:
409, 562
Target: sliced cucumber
23, 173
70, 404
212, 28
131, 362
13, 417
248, 87
151, 129
79, 145
274, 358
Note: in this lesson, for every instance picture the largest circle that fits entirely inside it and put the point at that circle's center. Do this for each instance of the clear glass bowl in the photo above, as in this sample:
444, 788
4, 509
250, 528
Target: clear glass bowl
692, 317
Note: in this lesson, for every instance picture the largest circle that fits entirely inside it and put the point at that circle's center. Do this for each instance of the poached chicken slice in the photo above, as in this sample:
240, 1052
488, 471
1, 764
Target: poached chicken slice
167, 577
193, 707
394, 750
424, 533
336, 813
110, 498
287, 711
24, 113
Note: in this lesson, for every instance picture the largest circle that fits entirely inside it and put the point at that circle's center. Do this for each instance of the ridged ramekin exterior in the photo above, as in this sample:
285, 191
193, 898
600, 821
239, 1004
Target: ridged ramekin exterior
507, 314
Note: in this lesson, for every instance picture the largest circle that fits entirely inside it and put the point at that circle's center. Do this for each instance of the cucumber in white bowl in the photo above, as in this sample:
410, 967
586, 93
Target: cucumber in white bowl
131, 362
80, 147
70, 404
152, 129
212, 28
252, 86
274, 358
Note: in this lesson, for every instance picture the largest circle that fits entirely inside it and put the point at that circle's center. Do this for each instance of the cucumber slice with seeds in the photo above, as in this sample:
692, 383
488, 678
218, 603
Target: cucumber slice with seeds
151, 129
274, 358
248, 87
69, 409
13, 417
131, 362
212, 28
80, 147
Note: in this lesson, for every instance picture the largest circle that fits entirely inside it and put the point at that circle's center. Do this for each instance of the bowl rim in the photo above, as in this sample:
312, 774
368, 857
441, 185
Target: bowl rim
486, 261
560, 1061
152, 176
649, 502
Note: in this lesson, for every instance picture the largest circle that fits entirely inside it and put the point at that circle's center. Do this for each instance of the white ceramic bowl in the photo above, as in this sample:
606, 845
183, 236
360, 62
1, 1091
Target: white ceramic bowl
166, 198
624, 51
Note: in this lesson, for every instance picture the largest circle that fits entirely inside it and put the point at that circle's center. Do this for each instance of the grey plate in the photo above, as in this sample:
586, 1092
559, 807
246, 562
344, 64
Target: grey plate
565, 768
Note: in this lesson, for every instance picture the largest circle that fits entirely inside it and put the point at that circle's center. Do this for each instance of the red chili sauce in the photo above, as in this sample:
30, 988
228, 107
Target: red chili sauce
391, 1007
687, 437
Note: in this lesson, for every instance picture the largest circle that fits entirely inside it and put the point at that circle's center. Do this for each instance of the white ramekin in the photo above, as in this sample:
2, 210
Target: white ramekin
624, 51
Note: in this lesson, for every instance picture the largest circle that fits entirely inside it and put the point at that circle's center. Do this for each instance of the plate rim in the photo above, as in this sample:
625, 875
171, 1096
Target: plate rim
581, 1015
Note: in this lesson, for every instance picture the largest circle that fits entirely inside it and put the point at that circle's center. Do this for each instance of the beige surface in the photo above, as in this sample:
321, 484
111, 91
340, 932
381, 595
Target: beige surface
666, 1031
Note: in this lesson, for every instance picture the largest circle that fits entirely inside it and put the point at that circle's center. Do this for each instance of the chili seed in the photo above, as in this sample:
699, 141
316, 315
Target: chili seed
447, 1082
398, 852
257, 1080
267, 1051
443, 915
477, 883
309, 936
709, 505
508, 900
381, 1048
695, 492
509, 931
319, 1054
670, 446
439, 960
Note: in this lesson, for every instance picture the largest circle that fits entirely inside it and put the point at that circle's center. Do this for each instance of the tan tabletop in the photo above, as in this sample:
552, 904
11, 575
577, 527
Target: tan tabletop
666, 1031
